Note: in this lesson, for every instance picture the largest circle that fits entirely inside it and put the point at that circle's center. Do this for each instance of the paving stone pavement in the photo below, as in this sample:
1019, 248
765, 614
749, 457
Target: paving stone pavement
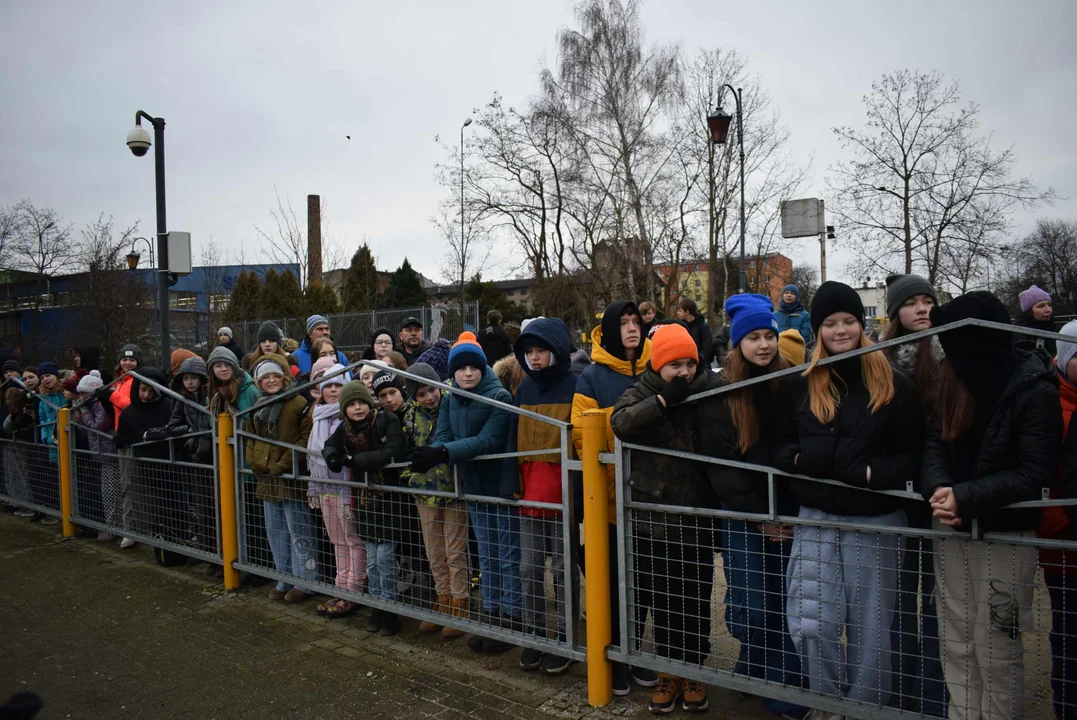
105, 633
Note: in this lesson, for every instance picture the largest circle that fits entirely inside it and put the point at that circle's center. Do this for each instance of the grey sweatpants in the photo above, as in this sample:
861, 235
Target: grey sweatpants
844, 581
541, 537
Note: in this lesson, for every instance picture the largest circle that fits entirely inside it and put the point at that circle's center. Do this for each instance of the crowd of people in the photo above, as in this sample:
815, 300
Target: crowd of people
844, 602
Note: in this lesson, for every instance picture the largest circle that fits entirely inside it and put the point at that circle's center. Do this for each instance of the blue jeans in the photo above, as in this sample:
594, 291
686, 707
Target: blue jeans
916, 663
497, 530
290, 529
755, 609
381, 570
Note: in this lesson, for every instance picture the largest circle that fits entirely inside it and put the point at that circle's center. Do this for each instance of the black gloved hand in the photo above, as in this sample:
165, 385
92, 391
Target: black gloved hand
676, 391
103, 393
335, 462
427, 458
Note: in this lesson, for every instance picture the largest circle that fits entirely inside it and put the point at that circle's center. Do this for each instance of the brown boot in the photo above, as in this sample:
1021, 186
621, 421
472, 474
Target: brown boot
461, 608
441, 607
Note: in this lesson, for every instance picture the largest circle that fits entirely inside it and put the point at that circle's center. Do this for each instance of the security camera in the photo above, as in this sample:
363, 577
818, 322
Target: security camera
138, 140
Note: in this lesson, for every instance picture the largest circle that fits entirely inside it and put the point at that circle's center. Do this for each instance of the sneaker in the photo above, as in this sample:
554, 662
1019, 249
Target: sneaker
276, 595
665, 696
390, 624
644, 677
295, 596
694, 699
531, 659
491, 646
621, 684
373, 623
554, 664
104, 537
24, 512
126, 543
48, 520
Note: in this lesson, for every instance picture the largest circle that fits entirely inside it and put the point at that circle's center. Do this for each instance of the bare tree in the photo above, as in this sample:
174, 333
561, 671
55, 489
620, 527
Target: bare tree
921, 179
41, 243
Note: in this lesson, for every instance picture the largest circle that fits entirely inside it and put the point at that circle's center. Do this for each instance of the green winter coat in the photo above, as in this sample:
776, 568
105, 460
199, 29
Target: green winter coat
419, 427
269, 461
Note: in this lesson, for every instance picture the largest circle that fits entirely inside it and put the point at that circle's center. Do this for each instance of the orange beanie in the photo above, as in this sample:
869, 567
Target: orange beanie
669, 343
466, 336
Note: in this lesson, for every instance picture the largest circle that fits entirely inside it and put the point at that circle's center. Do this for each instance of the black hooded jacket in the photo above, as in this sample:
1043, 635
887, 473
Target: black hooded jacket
889, 441
1016, 457
745, 490
701, 333
368, 354
138, 418
495, 343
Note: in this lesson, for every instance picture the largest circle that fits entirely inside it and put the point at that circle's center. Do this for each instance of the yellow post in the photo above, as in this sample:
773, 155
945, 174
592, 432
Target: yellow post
226, 472
63, 450
596, 546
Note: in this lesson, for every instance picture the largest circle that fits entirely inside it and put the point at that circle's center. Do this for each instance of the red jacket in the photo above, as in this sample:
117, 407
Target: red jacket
1057, 522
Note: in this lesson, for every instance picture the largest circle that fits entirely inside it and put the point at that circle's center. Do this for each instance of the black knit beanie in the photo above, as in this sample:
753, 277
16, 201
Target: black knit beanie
269, 331
834, 297
899, 288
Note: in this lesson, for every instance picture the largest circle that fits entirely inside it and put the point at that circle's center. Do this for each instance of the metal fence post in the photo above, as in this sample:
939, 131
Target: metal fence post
63, 452
226, 481
597, 552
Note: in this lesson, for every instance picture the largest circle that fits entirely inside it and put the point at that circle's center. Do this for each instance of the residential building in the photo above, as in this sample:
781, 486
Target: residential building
766, 275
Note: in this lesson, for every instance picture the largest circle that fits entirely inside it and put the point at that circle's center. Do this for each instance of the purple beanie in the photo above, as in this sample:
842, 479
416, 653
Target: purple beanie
1032, 296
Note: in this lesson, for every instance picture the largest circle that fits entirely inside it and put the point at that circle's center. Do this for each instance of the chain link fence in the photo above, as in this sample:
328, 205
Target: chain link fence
352, 331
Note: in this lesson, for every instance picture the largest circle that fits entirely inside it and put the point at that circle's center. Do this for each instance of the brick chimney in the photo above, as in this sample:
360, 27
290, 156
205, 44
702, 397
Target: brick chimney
314, 239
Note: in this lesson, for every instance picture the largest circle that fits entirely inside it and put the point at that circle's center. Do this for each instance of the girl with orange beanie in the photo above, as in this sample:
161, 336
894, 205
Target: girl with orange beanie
674, 554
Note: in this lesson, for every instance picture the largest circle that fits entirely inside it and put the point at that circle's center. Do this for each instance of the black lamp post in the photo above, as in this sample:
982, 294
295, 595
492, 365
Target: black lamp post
718, 123
133, 257
138, 140
463, 242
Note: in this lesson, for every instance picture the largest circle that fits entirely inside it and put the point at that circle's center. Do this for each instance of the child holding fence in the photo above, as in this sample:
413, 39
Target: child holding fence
996, 443
857, 422
334, 500
739, 425
542, 349
19, 424
275, 423
50, 400
443, 520
118, 395
466, 429
674, 554
92, 414
191, 381
365, 442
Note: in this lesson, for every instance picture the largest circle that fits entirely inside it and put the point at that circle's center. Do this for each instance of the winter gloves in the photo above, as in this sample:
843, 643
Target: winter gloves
677, 390
426, 458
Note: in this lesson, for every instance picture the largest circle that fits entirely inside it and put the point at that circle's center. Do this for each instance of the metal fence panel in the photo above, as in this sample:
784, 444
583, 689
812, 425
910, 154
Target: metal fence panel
29, 471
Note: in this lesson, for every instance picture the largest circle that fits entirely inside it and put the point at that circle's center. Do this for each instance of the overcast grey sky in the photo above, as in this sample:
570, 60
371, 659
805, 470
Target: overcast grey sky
260, 95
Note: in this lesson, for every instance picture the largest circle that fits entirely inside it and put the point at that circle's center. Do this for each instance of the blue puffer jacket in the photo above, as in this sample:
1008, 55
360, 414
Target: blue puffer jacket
468, 428
302, 357
795, 317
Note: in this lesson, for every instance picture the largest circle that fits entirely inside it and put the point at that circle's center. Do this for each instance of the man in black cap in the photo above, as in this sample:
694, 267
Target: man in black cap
412, 344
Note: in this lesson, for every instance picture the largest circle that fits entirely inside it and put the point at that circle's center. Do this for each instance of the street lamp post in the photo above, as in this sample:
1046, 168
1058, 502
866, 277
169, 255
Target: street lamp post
463, 242
133, 257
138, 140
718, 124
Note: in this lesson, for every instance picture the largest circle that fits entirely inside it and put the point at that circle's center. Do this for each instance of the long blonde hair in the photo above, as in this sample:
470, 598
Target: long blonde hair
823, 391
741, 402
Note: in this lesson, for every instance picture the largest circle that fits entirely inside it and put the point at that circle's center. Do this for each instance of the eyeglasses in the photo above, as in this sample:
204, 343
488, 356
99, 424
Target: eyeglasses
384, 342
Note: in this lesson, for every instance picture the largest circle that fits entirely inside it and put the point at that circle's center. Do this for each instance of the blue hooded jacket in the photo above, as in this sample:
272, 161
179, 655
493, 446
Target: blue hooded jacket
547, 392
302, 357
468, 428
794, 316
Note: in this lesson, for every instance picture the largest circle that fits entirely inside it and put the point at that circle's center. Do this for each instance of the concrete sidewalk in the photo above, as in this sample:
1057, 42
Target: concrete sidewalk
104, 633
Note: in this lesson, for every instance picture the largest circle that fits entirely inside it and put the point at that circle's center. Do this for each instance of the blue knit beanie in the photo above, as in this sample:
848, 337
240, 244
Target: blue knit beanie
749, 312
437, 357
466, 351
314, 321
48, 368
793, 289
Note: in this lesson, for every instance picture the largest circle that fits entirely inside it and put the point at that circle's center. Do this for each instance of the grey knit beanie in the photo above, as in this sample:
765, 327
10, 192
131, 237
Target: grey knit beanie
194, 366
1066, 350
422, 370
224, 355
900, 288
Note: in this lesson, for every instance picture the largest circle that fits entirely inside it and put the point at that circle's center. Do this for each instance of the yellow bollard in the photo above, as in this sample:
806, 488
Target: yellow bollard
596, 547
226, 472
63, 450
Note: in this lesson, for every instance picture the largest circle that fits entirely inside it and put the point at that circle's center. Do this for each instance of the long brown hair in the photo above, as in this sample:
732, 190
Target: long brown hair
956, 406
316, 349
742, 402
926, 367
823, 391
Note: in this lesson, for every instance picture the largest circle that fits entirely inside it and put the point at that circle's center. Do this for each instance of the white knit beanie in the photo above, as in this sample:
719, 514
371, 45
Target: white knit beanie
1066, 350
90, 382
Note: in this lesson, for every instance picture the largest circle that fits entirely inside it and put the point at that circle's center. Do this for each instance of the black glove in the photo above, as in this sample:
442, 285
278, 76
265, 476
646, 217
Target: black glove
428, 457
103, 393
676, 391
335, 462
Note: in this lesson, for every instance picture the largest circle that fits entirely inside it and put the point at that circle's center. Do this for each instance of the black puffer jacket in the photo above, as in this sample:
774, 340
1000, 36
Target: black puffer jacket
701, 333
139, 418
1018, 456
744, 490
639, 417
889, 441
185, 420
